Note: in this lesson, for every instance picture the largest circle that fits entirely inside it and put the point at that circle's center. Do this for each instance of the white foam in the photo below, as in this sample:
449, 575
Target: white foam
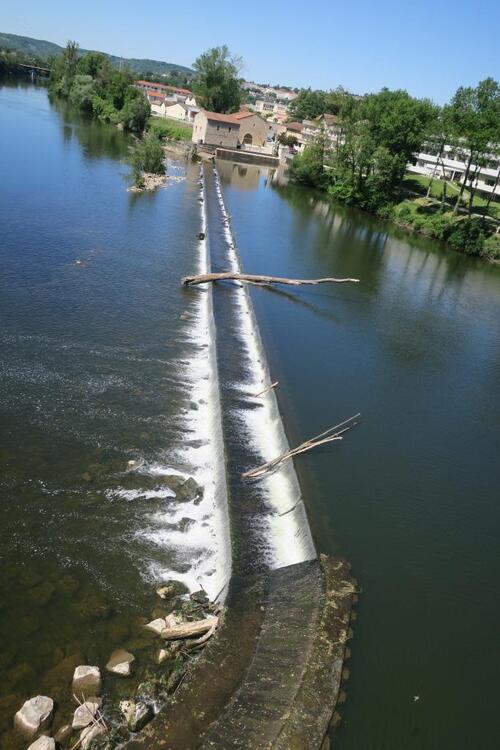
206, 543
289, 535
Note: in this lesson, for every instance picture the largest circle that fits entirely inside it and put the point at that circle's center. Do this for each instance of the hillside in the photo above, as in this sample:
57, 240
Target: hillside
43, 49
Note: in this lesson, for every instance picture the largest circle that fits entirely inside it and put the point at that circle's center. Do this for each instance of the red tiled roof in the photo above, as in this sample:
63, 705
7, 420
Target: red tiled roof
297, 126
242, 114
164, 87
219, 117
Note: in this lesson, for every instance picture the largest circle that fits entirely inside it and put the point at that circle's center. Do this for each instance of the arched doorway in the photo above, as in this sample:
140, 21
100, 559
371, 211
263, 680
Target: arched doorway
247, 139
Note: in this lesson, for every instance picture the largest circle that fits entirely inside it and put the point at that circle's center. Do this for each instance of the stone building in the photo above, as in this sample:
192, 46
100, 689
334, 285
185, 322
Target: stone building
214, 129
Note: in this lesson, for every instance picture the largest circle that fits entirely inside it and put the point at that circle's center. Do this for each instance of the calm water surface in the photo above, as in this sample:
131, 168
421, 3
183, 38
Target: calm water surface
102, 361
107, 361
411, 497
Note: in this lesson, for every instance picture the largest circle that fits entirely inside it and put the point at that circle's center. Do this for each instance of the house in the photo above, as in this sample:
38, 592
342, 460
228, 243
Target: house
214, 129
327, 125
180, 111
174, 92
295, 129
254, 130
277, 111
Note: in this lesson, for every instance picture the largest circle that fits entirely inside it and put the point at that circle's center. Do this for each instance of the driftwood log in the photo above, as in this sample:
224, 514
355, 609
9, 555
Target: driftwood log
205, 278
188, 629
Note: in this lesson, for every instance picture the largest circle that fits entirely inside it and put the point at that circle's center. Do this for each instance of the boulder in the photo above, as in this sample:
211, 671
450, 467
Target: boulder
162, 655
89, 734
86, 680
35, 715
121, 663
63, 734
43, 743
188, 491
171, 589
156, 626
85, 713
199, 597
140, 715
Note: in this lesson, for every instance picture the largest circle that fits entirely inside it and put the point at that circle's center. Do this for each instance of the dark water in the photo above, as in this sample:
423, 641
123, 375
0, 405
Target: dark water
411, 497
102, 362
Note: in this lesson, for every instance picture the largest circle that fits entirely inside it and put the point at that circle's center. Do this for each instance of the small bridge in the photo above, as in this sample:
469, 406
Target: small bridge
35, 69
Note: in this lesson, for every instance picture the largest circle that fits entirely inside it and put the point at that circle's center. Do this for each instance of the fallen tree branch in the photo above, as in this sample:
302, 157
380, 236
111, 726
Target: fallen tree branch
269, 388
314, 442
204, 278
187, 629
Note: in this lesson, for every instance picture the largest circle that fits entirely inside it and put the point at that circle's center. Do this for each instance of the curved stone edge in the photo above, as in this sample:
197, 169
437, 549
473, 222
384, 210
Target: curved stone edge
214, 678
311, 714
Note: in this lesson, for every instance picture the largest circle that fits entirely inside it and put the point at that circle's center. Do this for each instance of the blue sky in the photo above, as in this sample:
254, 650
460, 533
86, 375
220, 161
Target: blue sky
428, 47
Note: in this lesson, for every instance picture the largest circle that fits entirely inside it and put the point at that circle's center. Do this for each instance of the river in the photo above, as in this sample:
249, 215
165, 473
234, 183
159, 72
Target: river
105, 360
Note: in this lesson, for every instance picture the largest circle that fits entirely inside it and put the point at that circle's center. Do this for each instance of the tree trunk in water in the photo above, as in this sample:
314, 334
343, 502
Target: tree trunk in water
205, 278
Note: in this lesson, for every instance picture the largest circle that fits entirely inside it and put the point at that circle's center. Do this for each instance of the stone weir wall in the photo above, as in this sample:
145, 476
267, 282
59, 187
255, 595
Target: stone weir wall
271, 676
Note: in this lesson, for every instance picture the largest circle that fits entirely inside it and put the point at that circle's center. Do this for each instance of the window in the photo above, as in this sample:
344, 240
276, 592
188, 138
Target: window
218, 127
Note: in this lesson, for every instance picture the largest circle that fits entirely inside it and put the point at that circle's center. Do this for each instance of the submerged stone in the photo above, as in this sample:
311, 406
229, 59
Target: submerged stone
43, 743
141, 714
34, 715
171, 589
86, 680
85, 714
121, 663
42, 593
89, 734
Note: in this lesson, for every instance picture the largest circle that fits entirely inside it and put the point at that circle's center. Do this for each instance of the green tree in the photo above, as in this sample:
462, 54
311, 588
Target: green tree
82, 92
135, 113
475, 119
216, 81
308, 105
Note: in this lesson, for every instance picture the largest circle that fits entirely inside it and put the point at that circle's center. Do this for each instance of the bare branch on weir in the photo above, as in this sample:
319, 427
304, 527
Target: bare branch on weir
314, 442
205, 278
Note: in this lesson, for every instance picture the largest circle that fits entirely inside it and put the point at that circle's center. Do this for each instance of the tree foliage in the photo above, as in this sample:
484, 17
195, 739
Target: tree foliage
216, 81
146, 155
92, 84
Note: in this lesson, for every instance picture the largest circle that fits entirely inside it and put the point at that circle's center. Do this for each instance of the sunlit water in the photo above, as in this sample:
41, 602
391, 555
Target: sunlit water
104, 360
411, 496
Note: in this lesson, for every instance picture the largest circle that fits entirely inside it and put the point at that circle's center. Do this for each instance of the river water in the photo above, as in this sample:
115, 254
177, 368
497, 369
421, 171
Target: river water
411, 496
107, 360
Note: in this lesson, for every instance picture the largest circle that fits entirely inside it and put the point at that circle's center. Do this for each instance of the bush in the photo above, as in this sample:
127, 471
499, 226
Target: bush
146, 155
104, 110
307, 167
467, 236
82, 92
491, 247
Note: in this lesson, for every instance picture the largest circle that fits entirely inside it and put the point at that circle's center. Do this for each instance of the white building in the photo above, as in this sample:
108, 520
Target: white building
452, 165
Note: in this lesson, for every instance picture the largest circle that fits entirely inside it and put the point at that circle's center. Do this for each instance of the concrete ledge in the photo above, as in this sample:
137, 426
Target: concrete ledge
247, 157
270, 678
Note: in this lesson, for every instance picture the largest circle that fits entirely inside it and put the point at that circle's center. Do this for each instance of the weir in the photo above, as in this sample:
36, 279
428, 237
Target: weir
270, 677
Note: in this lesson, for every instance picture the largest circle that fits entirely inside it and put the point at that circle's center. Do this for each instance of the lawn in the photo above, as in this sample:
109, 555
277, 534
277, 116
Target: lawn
419, 183
170, 129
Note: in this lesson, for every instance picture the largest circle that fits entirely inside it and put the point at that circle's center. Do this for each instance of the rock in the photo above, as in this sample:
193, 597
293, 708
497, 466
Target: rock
170, 589
67, 584
85, 713
162, 655
92, 607
199, 597
20, 674
42, 593
132, 464
120, 663
156, 626
87, 476
89, 734
35, 715
188, 491
172, 620
127, 709
43, 743
86, 680
58, 679
141, 714
63, 734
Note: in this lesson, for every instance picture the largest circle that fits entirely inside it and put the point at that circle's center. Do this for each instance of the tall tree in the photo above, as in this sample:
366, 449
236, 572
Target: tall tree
308, 105
475, 117
216, 81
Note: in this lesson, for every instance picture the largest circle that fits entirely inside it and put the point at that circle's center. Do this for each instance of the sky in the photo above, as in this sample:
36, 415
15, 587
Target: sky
429, 48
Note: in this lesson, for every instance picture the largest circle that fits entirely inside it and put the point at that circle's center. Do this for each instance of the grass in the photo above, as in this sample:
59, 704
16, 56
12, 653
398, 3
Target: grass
170, 130
419, 183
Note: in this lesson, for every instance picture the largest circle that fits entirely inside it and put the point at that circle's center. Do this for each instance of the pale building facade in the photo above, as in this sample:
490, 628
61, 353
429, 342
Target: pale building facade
214, 129
254, 130
452, 165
